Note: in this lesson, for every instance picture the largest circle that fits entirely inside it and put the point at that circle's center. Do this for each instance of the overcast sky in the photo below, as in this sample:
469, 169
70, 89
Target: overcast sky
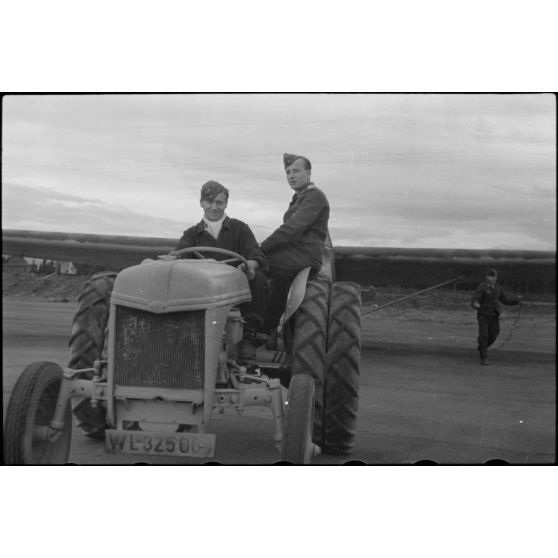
431, 171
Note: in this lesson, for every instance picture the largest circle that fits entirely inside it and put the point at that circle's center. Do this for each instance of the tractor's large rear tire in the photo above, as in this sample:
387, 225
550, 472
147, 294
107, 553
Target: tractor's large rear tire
30, 410
296, 446
309, 340
87, 342
342, 369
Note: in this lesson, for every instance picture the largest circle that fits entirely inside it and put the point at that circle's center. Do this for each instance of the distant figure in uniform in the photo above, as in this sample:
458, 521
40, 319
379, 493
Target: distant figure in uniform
486, 301
299, 241
218, 230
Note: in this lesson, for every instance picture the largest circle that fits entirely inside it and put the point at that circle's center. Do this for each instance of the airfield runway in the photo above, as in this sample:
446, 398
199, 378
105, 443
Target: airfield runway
423, 395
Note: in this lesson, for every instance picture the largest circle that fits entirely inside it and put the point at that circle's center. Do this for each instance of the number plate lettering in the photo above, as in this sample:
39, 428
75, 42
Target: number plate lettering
158, 443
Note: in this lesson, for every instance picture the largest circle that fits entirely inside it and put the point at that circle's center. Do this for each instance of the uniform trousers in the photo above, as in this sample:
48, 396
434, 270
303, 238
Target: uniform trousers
489, 329
283, 267
253, 312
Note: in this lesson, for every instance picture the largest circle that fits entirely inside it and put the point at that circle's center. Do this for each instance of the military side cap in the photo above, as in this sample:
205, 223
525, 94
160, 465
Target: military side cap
289, 159
211, 189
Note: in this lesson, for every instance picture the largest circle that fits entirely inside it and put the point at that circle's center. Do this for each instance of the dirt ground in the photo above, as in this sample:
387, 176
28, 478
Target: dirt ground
423, 395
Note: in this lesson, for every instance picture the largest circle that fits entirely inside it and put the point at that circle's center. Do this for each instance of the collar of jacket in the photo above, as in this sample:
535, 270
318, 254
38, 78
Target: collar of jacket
308, 186
200, 227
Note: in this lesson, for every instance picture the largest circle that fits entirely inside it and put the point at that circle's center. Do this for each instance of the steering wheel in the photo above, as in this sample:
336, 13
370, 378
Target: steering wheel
197, 251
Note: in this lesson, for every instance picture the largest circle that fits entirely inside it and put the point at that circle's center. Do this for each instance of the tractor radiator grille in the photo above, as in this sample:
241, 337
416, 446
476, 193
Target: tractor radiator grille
159, 350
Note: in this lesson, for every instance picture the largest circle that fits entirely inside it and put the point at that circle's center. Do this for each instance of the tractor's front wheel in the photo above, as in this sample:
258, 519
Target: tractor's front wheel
30, 410
87, 342
297, 446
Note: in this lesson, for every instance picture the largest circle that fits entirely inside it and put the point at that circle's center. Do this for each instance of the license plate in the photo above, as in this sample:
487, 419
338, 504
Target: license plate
182, 444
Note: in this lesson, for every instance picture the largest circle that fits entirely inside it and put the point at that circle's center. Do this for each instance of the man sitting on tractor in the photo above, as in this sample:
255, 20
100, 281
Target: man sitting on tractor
299, 241
218, 230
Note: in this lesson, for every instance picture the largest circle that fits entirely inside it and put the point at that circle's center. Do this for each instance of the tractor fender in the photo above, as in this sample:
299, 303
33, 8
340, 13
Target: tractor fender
295, 296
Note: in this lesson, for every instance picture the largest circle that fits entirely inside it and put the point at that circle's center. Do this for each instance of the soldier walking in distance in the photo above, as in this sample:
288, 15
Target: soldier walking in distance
486, 301
299, 241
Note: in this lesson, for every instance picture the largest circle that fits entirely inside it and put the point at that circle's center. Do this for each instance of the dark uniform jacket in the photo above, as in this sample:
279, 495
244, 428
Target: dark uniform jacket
304, 225
490, 298
235, 236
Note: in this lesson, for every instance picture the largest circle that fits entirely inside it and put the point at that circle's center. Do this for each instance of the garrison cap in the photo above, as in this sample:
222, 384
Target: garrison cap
212, 189
491, 272
289, 159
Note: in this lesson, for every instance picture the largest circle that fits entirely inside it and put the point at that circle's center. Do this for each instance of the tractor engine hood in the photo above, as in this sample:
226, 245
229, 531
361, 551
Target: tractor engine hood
160, 286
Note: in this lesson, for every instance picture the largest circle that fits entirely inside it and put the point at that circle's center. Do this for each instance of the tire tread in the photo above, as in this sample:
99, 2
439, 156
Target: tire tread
310, 344
89, 332
342, 369
18, 408
300, 395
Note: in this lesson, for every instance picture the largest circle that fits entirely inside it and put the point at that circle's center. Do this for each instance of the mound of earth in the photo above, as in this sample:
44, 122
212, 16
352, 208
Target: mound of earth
56, 288
67, 288
447, 300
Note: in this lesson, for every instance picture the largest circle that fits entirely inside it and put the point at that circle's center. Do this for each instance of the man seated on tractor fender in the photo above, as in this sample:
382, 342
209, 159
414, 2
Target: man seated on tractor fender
218, 230
299, 241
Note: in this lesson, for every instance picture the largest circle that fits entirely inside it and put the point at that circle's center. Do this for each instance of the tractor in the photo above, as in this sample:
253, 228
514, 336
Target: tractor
154, 352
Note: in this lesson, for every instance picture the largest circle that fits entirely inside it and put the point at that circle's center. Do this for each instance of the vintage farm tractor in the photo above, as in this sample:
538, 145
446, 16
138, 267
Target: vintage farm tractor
154, 351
